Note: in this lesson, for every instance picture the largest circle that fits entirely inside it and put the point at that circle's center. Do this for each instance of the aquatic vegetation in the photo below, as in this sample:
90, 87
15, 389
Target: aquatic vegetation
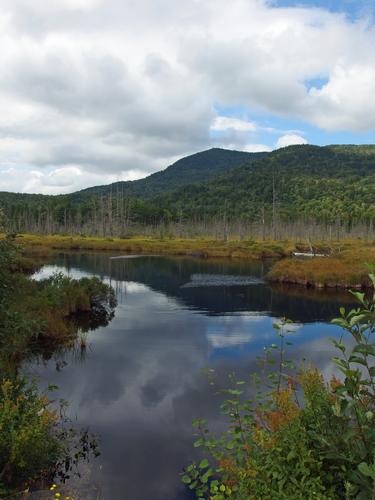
50, 311
37, 442
298, 436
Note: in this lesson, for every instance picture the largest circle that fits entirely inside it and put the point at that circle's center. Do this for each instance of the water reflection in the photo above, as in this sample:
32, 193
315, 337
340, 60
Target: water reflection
141, 383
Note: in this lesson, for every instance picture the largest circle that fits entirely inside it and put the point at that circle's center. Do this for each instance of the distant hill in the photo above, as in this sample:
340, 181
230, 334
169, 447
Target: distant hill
328, 185
310, 181
198, 167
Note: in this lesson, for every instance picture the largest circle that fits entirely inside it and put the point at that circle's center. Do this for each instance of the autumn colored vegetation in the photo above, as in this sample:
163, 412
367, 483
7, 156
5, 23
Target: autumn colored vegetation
344, 268
299, 435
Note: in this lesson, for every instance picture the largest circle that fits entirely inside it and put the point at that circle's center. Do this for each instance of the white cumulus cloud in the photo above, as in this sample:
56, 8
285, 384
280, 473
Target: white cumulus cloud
290, 140
224, 123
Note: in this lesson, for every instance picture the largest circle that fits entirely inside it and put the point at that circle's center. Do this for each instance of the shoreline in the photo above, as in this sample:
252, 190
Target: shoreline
345, 267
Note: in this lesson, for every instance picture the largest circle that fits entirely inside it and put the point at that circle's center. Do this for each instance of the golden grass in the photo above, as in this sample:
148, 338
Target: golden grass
347, 269
141, 245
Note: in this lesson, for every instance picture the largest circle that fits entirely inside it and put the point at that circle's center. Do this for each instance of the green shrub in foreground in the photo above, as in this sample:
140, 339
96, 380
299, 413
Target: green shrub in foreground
302, 438
37, 443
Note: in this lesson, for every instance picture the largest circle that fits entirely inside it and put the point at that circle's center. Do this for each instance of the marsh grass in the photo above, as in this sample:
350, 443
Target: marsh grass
345, 269
202, 247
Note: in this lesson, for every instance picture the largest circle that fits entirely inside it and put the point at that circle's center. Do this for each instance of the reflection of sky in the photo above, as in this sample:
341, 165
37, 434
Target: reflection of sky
142, 383
49, 270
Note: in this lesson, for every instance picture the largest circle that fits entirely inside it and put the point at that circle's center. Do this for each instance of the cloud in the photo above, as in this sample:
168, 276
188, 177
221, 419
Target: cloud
224, 123
116, 87
256, 148
61, 180
290, 140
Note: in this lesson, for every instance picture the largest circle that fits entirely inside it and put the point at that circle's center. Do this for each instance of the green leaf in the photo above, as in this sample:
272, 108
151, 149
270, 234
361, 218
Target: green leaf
356, 359
359, 296
340, 322
231, 444
206, 476
338, 345
367, 349
203, 464
186, 479
366, 470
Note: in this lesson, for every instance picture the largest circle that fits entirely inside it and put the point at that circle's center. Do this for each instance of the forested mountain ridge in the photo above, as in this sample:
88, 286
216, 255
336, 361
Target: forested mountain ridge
198, 167
324, 183
331, 185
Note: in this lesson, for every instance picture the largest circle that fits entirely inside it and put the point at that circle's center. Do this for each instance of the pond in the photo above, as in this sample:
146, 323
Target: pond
142, 380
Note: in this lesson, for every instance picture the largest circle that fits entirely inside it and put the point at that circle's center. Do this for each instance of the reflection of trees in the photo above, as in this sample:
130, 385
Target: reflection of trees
168, 274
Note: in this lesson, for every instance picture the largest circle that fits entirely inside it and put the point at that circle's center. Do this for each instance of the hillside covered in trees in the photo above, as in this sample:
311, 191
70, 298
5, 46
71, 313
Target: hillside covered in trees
199, 167
332, 186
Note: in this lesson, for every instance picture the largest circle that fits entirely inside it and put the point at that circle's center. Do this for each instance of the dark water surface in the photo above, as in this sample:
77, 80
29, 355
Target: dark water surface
141, 382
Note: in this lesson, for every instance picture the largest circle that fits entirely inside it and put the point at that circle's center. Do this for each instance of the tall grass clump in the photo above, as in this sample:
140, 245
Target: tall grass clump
299, 436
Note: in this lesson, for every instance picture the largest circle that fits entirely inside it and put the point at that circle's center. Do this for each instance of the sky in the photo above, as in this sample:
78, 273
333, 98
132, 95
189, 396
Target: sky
96, 91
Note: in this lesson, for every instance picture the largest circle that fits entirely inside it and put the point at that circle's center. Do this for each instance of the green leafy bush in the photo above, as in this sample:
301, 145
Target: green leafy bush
301, 437
37, 443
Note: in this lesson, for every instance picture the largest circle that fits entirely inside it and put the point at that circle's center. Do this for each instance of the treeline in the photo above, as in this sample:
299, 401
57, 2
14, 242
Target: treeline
298, 191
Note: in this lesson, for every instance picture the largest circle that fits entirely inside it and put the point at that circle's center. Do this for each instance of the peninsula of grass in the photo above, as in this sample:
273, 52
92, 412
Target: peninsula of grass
347, 268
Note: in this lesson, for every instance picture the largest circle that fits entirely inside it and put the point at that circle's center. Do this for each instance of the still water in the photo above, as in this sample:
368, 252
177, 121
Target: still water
141, 382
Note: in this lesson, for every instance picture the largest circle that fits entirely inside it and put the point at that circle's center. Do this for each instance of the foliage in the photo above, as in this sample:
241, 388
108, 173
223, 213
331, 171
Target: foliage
298, 436
49, 311
37, 442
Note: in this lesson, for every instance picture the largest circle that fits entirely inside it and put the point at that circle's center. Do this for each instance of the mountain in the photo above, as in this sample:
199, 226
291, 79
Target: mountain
324, 183
310, 184
199, 167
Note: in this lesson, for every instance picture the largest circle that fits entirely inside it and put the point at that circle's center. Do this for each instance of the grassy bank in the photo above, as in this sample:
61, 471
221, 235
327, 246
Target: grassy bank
347, 268
248, 249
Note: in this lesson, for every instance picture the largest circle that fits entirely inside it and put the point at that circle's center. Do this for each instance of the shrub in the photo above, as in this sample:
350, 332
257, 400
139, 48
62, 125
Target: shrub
36, 443
303, 438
